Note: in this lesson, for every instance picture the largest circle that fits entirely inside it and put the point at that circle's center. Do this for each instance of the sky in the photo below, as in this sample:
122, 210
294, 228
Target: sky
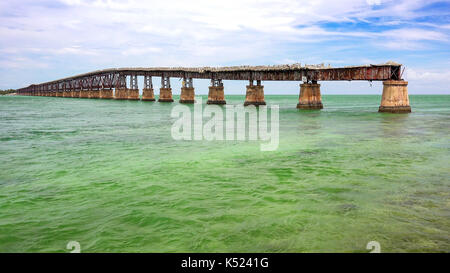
43, 40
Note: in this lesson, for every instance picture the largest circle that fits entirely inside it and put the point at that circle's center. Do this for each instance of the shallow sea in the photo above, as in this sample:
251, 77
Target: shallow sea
108, 175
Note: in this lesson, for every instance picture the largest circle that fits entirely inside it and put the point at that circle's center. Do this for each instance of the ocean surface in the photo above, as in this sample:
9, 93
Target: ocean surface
108, 175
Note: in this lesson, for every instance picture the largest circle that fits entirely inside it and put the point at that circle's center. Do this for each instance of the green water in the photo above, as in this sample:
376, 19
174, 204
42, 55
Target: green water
108, 174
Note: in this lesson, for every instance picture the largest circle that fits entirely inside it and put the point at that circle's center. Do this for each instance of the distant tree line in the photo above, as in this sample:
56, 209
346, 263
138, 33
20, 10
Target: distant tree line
7, 91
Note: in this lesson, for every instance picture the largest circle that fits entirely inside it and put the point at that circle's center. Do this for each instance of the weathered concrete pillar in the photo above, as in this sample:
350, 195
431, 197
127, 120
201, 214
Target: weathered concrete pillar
216, 94
395, 97
165, 95
121, 94
147, 91
66, 94
254, 94
187, 95
84, 94
148, 94
94, 94
75, 93
133, 94
165, 92
187, 91
133, 91
106, 94
310, 97
59, 93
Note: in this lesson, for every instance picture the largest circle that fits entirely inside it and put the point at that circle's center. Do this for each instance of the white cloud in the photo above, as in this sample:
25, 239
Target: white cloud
74, 50
109, 33
424, 75
21, 62
373, 2
140, 50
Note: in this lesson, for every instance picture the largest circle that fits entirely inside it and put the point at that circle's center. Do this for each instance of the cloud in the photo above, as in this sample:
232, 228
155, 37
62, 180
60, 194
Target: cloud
78, 35
21, 62
140, 50
424, 75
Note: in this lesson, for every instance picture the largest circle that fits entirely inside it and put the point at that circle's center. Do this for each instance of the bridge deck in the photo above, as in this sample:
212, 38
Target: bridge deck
109, 78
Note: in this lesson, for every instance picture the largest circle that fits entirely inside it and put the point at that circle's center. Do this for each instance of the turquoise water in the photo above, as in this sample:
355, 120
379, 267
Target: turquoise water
109, 175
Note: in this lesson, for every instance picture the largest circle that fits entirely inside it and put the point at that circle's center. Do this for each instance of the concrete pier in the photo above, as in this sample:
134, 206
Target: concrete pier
66, 94
121, 94
216, 95
165, 95
310, 97
187, 95
75, 93
59, 93
148, 94
106, 94
133, 94
94, 94
254, 94
84, 94
395, 97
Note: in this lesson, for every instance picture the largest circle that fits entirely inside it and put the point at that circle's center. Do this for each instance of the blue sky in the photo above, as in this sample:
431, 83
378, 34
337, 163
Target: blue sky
46, 40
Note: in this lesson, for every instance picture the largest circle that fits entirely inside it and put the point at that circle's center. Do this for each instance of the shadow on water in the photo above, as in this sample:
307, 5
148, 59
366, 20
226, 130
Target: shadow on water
394, 125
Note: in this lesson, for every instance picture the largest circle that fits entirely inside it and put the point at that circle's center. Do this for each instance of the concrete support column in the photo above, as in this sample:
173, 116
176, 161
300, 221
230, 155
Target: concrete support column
148, 94
76, 93
59, 93
133, 91
106, 94
66, 94
310, 97
254, 94
165, 95
121, 93
395, 97
147, 91
187, 91
94, 94
84, 94
216, 95
133, 94
187, 95
165, 92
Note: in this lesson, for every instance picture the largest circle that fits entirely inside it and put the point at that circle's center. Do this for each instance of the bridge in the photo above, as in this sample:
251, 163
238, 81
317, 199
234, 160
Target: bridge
112, 83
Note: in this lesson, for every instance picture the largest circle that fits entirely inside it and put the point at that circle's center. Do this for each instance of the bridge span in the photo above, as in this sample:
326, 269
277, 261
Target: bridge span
112, 83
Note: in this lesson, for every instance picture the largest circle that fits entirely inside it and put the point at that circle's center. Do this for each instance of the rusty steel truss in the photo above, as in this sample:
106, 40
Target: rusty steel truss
116, 78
